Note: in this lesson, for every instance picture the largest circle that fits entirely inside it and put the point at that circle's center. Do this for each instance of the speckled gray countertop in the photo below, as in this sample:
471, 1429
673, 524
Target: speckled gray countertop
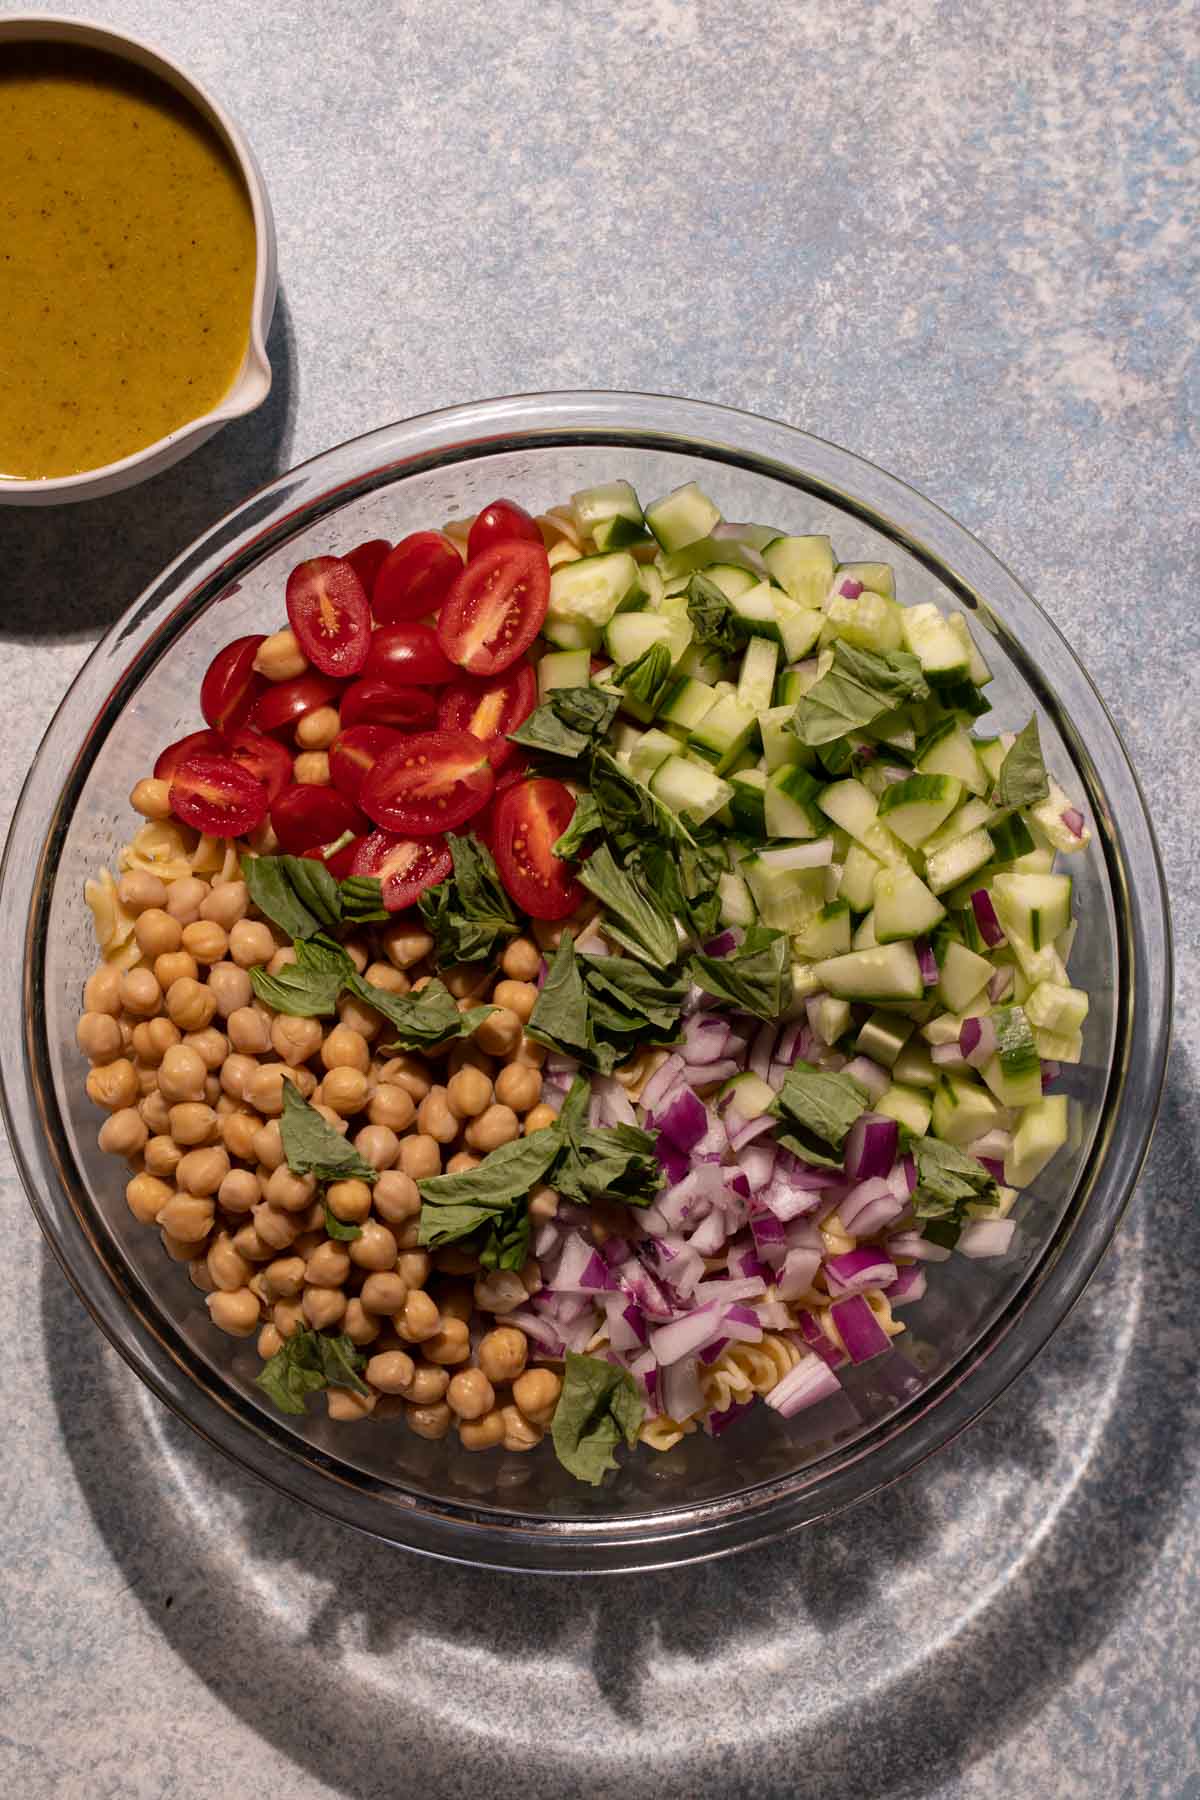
963, 242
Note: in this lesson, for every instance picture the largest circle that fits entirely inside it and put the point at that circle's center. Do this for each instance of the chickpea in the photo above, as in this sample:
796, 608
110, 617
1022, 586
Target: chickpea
199, 1276
276, 1226
420, 1156
345, 1048
519, 1432
389, 1106
99, 1037
349, 1201
461, 1161
283, 958
283, 1279
141, 994
280, 657
190, 1005
205, 940
465, 979
201, 1172
344, 1405
157, 934
185, 898
500, 1032
162, 1156
227, 1269
328, 1266
419, 1318
249, 1029
292, 1193
311, 769
155, 1112
470, 1394
415, 1266
264, 1090
358, 1016
450, 1344
536, 1393
395, 1197
529, 1054
317, 729
483, 1433
236, 1312
391, 1372
323, 1307
429, 1421
182, 1250
193, 1123
375, 1249
295, 1040
247, 1243
519, 997
250, 943
237, 1134
152, 1038
268, 1145
138, 889
269, 1342
467, 1094
519, 1088
539, 1118
231, 989
345, 1091
236, 1071
114, 1085
102, 991
181, 1073
151, 798
498, 1125
521, 960
124, 1132
225, 905
187, 1217
377, 1145
409, 1073
405, 944
288, 1317
360, 1326
238, 1192
392, 981
502, 1353
383, 1292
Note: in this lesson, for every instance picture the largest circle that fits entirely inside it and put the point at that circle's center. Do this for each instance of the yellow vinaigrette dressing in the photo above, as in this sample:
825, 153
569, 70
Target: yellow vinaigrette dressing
127, 261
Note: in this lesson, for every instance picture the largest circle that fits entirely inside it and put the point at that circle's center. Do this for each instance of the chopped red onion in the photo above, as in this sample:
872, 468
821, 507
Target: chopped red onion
977, 1041
760, 1051
718, 1421
685, 1271
742, 1261
683, 1120
911, 1243
743, 1325
559, 1064
724, 944
543, 971
714, 1144
1074, 821
789, 1047
994, 1167
908, 1286
1050, 1072
710, 1234
540, 1331
635, 1278
673, 1160
775, 1316
730, 1289
856, 1270
708, 1073
878, 1214
758, 1163
946, 1055
546, 1240
628, 1330
805, 1385
680, 1393
1000, 984
851, 588
704, 1039
752, 1129
986, 918
859, 1329
871, 1146
926, 962
869, 1075
796, 1174
819, 1342
985, 1237
662, 1084
798, 1273
580, 1269
995, 1143
910, 1172
616, 1105
645, 1372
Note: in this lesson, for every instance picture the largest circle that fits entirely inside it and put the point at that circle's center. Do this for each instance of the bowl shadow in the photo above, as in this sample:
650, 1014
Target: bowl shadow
1052, 1614
81, 566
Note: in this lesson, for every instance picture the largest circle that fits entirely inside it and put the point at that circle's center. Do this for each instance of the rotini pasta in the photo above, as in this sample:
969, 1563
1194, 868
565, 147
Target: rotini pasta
165, 850
746, 1369
113, 924
664, 1433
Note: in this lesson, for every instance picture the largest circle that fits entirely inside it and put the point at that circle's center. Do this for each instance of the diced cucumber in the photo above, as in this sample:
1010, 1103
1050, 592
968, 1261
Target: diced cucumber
1036, 965
869, 621
977, 669
915, 1067
563, 669
1013, 844
963, 1110
1047, 815
610, 500
626, 738
909, 1106
969, 817
799, 626
948, 750
1014, 1074
804, 985
883, 1037
803, 567
991, 752
756, 680
859, 870
685, 703
915, 808
946, 1028
682, 517
630, 634
793, 684
737, 903
780, 745
746, 802
829, 1018
754, 610
879, 577
850, 805
680, 565
749, 1093
962, 976
787, 899
864, 933
826, 935
586, 593
732, 579
723, 732
790, 805
619, 534
689, 789
701, 665
896, 730
1060, 1009
650, 752
1037, 861
1041, 1131
1058, 1046
889, 972
1037, 907
904, 906
946, 868
571, 634
940, 652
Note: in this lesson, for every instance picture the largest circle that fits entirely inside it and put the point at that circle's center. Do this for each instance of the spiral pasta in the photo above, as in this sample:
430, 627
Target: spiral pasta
160, 849
112, 922
663, 1433
746, 1369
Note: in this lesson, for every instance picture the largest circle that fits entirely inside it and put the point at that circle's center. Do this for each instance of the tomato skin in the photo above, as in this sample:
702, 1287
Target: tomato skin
434, 782
284, 702
517, 769
496, 608
367, 559
210, 742
501, 703
231, 686
354, 753
407, 654
341, 862
264, 757
329, 612
304, 817
503, 522
530, 816
214, 794
404, 866
415, 579
374, 702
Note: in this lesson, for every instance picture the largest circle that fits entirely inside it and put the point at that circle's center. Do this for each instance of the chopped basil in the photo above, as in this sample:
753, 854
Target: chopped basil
469, 913
312, 1147
818, 1108
585, 823
860, 686
338, 1228
600, 1009
569, 722
616, 1162
456, 1206
646, 676
634, 916
307, 1362
419, 1021
714, 626
560, 1017
598, 1408
947, 1179
757, 978
301, 896
1022, 780
309, 987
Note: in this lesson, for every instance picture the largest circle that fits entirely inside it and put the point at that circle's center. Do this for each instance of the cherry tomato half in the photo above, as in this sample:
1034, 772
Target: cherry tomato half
407, 654
367, 559
330, 614
354, 753
530, 817
340, 863
503, 522
496, 607
230, 686
416, 578
170, 758
490, 709
214, 794
264, 757
286, 701
404, 866
373, 702
515, 770
433, 782
304, 816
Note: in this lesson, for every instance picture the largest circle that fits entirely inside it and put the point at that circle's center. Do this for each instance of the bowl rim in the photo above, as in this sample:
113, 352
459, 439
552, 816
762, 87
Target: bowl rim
483, 1534
252, 383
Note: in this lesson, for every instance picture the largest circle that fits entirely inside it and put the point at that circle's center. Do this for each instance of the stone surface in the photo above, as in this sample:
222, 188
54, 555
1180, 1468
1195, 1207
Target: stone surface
962, 242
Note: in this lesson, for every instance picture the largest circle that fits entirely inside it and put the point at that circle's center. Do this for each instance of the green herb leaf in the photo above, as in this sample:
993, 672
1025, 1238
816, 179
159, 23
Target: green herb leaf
469, 913
338, 1229
307, 1362
714, 626
757, 978
1022, 780
294, 892
362, 900
598, 1408
616, 1162
506, 1241
629, 813
860, 685
646, 676
311, 1147
633, 916
627, 996
568, 722
341, 1361
947, 1178
819, 1108
560, 1017
585, 823
455, 1206
685, 876
423, 1020
309, 987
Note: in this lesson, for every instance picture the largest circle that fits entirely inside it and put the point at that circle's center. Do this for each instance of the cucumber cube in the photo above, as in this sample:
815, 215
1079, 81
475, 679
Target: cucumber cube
611, 500
946, 868
803, 567
826, 935
682, 517
1015, 1072
685, 703
689, 789
790, 805
1041, 1131
948, 750
780, 745
909, 1106
563, 669
830, 1018
868, 621
859, 870
787, 899
889, 972
799, 627
904, 906
723, 733
915, 1067
915, 808
737, 903
962, 976
587, 592
1037, 907
1060, 1009
963, 1110
883, 1037
746, 802
756, 681
942, 655
731, 579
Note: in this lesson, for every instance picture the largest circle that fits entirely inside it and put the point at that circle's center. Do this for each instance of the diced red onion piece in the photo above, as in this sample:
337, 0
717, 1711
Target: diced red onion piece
878, 1214
911, 1243
869, 1075
758, 1162
946, 1055
734, 1288
908, 1286
680, 1393
616, 1250
775, 1316
559, 1064
977, 1041
985, 1237
810, 1382
851, 588
635, 1278
673, 1160
718, 1421
926, 962
662, 1084
752, 1129
724, 944
710, 1234
797, 1274
859, 1329
1074, 821
855, 1270
909, 1166
986, 918
683, 1119
546, 1239
645, 1372
870, 1146
743, 1325
540, 1331
1000, 984
816, 1340
704, 1039
708, 1073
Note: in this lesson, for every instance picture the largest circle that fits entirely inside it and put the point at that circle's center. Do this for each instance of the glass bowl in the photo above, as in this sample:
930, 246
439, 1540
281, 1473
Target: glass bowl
980, 1323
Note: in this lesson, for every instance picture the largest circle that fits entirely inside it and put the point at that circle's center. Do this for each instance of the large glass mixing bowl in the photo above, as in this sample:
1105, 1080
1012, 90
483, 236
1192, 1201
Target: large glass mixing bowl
980, 1323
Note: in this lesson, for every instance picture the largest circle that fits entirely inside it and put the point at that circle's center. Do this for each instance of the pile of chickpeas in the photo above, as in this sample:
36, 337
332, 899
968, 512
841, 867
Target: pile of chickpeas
189, 1066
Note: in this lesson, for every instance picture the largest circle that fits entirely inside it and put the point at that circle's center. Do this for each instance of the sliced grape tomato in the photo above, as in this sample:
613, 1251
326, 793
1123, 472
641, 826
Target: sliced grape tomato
231, 686
367, 559
403, 866
435, 781
407, 654
503, 522
218, 796
264, 757
170, 758
338, 855
284, 702
354, 753
304, 816
529, 818
490, 708
415, 578
496, 608
328, 610
374, 702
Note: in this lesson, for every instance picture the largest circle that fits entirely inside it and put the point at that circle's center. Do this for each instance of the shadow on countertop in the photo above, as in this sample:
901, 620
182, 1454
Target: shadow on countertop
991, 1676
69, 571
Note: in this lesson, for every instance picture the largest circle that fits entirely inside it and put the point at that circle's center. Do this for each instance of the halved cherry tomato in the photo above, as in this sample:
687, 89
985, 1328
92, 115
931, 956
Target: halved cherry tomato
404, 866
330, 614
416, 578
433, 782
496, 607
407, 654
340, 863
503, 522
214, 794
170, 758
517, 769
286, 701
529, 819
373, 702
264, 757
354, 753
230, 686
304, 816
367, 559
490, 709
